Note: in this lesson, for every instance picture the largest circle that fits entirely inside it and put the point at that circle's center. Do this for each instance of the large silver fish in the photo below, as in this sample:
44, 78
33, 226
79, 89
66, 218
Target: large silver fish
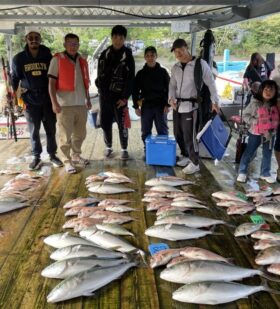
66, 268
199, 271
77, 251
107, 188
189, 220
61, 240
167, 180
109, 241
85, 283
175, 232
215, 293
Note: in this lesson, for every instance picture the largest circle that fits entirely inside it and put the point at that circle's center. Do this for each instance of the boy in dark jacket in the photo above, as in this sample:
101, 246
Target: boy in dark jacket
150, 95
30, 67
114, 81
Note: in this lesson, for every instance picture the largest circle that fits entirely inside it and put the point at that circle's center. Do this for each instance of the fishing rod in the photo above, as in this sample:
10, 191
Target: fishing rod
9, 106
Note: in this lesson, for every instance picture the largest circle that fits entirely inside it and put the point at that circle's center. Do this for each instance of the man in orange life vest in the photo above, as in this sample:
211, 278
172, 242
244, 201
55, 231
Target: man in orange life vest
68, 87
30, 68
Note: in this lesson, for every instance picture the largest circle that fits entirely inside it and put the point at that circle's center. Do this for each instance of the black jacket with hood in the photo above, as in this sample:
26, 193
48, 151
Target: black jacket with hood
151, 85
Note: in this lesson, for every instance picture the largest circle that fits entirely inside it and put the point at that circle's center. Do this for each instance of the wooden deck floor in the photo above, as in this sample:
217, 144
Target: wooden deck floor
23, 254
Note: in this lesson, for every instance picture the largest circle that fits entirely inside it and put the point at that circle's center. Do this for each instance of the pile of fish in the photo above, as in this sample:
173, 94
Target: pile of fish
84, 266
207, 276
269, 245
108, 183
99, 254
170, 205
20, 191
266, 200
91, 211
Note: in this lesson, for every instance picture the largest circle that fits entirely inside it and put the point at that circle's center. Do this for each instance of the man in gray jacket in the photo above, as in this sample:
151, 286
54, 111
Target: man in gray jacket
183, 99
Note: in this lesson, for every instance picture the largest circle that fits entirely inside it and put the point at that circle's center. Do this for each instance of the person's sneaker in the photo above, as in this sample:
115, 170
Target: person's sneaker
108, 152
56, 162
268, 179
124, 155
184, 161
191, 168
241, 178
35, 164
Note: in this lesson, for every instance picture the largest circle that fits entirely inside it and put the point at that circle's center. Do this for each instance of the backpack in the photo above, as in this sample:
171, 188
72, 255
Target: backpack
203, 95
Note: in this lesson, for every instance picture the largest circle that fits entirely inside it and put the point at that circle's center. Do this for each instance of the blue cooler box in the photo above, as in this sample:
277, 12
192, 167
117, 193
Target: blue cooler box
161, 150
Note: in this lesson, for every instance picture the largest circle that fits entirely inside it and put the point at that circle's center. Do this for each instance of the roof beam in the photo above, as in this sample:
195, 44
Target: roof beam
122, 2
112, 17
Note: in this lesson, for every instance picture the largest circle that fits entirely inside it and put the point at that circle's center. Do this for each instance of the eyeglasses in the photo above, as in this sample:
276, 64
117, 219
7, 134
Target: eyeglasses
34, 38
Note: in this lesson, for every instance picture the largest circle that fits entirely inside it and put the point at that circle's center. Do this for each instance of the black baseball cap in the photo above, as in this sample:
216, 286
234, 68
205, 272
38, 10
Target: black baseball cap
151, 49
178, 43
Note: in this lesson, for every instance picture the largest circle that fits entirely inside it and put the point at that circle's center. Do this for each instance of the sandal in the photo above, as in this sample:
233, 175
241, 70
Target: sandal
80, 160
70, 168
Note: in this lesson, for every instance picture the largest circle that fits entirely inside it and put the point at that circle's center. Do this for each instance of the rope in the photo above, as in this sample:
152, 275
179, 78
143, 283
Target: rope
229, 80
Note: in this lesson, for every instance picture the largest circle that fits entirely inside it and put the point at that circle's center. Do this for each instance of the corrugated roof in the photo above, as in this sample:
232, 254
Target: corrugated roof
16, 14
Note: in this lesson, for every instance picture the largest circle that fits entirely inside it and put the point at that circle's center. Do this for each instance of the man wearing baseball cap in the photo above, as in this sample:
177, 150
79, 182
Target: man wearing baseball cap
183, 98
29, 69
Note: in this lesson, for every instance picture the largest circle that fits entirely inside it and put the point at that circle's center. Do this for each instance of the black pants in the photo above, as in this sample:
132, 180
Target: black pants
108, 114
178, 133
187, 126
36, 114
150, 114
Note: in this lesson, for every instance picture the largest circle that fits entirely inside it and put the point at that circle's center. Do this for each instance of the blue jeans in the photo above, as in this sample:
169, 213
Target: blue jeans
254, 142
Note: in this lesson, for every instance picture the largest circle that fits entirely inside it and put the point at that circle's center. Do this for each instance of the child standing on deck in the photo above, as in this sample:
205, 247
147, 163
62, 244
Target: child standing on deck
262, 118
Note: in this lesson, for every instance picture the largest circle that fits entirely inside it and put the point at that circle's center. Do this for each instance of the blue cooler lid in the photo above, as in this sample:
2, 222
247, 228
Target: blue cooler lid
161, 139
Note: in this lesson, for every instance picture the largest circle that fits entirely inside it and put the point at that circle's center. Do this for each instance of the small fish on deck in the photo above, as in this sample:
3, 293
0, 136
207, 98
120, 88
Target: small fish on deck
167, 180
231, 196
82, 201
268, 256
265, 235
248, 228
109, 189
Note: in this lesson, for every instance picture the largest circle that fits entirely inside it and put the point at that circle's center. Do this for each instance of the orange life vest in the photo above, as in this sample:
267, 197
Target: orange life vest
66, 73
268, 119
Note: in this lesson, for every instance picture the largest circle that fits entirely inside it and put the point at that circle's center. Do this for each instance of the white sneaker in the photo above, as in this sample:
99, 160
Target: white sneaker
268, 179
242, 178
191, 168
184, 161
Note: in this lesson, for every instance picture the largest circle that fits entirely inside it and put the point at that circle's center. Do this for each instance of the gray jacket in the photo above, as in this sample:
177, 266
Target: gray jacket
182, 84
